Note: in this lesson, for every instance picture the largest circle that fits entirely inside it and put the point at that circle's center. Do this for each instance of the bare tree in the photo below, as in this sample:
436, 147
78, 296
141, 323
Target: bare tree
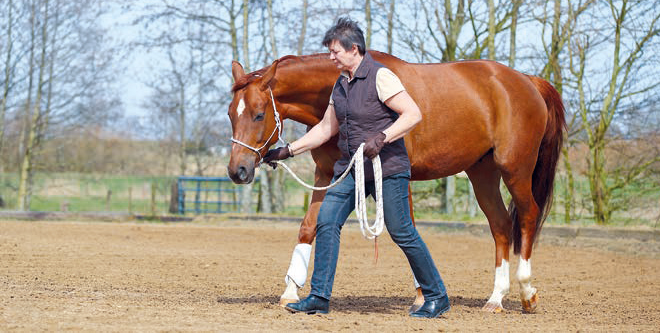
6, 86
512, 34
635, 26
368, 20
34, 115
303, 28
390, 26
491, 30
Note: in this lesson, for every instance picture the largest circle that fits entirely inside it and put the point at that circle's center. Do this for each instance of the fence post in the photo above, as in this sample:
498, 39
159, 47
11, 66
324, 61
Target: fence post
472, 202
451, 190
265, 191
246, 198
306, 202
130, 200
174, 197
107, 200
153, 198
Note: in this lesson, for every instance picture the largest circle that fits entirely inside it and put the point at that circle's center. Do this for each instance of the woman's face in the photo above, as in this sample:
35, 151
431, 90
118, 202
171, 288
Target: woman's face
344, 59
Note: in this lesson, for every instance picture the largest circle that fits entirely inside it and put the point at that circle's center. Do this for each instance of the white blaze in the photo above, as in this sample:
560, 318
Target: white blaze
240, 108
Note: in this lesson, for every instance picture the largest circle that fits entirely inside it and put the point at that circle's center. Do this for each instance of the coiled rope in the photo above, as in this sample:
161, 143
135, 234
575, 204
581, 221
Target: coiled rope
369, 231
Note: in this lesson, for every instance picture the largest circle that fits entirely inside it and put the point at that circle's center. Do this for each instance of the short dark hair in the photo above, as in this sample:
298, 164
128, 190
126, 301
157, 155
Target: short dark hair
346, 32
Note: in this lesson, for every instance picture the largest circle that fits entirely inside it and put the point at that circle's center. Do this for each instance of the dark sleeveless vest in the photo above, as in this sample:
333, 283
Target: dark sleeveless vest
361, 115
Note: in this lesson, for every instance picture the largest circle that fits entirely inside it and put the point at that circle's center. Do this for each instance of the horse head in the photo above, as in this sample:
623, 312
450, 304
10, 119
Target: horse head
255, 122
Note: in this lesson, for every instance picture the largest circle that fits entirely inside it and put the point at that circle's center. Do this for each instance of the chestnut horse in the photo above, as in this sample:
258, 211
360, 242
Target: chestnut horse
479, 116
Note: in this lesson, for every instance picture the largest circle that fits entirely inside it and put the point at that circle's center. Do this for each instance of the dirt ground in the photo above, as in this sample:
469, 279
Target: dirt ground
228, 276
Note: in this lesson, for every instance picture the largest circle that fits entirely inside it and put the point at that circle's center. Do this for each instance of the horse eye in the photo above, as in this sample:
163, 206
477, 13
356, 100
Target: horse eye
260, 116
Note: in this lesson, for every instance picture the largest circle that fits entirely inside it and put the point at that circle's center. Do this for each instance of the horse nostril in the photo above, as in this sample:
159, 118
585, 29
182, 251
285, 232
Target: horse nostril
242, 173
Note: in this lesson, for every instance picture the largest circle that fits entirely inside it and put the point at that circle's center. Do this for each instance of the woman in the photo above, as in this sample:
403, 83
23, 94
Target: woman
368, 104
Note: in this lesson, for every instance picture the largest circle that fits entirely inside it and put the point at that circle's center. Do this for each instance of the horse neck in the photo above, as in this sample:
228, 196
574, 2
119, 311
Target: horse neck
299, 86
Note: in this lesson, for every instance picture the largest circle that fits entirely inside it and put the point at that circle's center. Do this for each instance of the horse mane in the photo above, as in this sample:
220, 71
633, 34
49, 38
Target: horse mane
283, 61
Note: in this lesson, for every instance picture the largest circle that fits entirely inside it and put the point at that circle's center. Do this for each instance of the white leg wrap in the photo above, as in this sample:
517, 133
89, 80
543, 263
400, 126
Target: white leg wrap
501, 287
298, 268
524, 276
415, 280
291, 292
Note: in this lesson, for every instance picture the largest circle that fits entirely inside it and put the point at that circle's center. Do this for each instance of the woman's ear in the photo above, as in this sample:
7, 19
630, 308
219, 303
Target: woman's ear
355, 49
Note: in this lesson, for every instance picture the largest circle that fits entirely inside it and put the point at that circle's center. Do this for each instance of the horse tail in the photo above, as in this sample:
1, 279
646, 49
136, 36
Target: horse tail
546, 164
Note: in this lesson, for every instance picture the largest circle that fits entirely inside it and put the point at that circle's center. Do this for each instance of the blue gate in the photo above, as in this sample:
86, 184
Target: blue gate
208, 195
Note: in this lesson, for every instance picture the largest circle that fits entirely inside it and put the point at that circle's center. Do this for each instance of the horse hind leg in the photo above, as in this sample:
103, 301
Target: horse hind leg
485, 179
519, 184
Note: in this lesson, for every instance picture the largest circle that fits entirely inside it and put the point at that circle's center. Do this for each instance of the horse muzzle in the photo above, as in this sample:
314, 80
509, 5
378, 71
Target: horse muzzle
241, 174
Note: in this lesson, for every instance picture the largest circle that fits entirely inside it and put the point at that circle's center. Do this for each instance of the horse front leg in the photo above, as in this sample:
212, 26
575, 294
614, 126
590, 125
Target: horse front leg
297, 273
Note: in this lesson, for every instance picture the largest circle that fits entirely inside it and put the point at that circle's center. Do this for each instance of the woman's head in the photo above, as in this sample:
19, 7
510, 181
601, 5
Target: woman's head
347, 33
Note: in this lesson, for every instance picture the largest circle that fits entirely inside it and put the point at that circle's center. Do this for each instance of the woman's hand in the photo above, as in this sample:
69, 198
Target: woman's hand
374, 144
277, 154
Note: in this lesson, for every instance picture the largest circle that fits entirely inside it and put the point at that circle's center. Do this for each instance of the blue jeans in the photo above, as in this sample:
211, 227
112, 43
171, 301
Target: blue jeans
339, 202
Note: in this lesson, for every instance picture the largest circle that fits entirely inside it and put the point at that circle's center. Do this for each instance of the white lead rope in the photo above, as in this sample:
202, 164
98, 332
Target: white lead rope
370, 231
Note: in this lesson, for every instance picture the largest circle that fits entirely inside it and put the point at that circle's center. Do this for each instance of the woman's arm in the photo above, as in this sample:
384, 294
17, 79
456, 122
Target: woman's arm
409, 116
318, 135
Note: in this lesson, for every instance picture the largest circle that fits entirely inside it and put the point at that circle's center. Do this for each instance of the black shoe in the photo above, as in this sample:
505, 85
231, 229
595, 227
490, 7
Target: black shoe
310, 305
432, 309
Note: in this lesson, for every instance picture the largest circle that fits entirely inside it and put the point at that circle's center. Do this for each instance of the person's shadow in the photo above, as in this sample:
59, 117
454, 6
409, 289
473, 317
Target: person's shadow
367, 304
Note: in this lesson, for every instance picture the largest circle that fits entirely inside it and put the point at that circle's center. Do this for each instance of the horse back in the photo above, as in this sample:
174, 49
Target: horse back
468, 109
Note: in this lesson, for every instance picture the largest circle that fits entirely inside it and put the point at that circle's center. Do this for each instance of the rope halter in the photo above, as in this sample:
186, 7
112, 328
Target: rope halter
277, 129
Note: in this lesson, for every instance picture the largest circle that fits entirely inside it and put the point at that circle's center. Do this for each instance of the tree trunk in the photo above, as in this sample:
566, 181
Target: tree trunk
491, 30
450, 193
277, 190
246, 36
390, 27
24, 185
182, 129
552, 70
6, 86
246, 190
569, 194
454, 25
265, 191
233, 31
271, 27
512, 38
303, 29
367, 18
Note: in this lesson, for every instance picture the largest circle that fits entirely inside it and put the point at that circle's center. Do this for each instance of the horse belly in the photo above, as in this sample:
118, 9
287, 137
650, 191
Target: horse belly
445, 150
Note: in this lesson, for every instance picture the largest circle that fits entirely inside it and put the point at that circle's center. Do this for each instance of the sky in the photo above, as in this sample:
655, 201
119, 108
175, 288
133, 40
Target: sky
138, 63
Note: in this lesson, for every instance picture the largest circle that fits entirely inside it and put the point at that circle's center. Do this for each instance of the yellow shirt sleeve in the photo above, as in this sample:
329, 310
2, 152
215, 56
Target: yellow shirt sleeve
332, 102
387, 84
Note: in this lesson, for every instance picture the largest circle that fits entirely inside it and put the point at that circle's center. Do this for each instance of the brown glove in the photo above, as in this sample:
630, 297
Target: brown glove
277, 154
374, 144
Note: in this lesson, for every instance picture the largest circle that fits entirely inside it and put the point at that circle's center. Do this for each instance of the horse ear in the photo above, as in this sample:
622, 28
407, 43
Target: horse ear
237, 70
269, 75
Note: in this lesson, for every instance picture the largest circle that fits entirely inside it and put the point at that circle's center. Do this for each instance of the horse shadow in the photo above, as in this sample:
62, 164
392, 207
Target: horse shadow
365, 304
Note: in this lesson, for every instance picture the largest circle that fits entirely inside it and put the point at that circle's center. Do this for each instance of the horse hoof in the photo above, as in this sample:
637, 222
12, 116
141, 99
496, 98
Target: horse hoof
493, 307
529, 306
419, 301
414, 307
285, 301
